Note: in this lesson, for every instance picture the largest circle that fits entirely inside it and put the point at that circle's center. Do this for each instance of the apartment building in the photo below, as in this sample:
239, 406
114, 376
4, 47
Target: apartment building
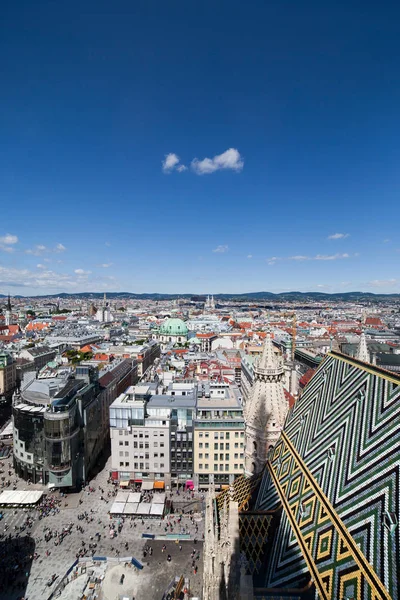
218, 446
151, 431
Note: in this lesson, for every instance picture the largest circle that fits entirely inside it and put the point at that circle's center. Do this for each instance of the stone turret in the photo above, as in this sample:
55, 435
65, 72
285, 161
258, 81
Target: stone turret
266, 410
362, 350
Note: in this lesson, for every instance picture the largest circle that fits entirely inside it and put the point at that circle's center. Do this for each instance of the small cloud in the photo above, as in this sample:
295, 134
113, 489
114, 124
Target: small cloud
298, 257
383, 282
40, 266
171, 162
271, 261
105, 265
230, 159
36, 250
338, 236
221, 249
82, 272
249, 256
60, 248
330, 256
8, 239
8, 249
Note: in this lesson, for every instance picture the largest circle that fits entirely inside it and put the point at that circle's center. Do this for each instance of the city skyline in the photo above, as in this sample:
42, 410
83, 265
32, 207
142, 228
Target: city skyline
257, 150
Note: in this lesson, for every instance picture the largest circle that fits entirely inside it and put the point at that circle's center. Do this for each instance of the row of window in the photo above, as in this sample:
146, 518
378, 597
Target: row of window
142, 465
221, 456
225, 467
222, 434
146, 455
221, 445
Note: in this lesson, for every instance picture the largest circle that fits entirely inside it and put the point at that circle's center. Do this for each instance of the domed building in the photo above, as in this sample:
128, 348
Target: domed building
172, 331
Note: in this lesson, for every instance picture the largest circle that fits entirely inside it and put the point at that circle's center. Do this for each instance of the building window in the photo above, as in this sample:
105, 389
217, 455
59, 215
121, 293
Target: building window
156, 465
161, 465
236, 466
226, 467
127, 464
161, 444
226, 456
200, 435
221, 446
206, 466
121, 464
126, 453
206, 445
121, 443
236, 445
120, 432
121, 453
200, 466
201, 445
227, 447
216, 446
236, 434
221, 467
215, 435
206, 455
236, 455
161, 454
201, 455
215, 467
215, 456
126, 443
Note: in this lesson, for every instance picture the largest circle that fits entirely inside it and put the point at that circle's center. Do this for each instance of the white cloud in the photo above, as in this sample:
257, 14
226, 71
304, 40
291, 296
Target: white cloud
105, 265
272, 260
230, 159
298, 257
36, 250
221, 249
171, 162
40, 266
383, 282
338, 236
249, 256
82, 272
330, 256
40, 249
8, 249
8, 239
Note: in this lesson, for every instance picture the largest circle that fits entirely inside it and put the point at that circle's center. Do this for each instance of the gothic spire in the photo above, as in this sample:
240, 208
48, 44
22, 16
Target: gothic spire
9, 303
268, 358
362, 350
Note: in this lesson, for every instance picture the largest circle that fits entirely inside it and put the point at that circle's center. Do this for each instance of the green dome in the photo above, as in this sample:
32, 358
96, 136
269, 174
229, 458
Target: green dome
173, 327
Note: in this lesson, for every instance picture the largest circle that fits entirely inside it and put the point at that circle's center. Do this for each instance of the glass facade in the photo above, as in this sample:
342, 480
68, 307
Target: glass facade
30, 431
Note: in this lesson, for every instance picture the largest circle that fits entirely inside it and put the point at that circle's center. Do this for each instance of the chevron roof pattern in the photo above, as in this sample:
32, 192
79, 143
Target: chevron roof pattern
336, 471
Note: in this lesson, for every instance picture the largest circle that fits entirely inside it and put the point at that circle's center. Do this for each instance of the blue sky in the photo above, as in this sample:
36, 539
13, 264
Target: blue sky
294, 104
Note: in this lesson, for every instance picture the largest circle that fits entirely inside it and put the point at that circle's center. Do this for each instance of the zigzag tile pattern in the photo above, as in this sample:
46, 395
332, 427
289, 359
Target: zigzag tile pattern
336, 470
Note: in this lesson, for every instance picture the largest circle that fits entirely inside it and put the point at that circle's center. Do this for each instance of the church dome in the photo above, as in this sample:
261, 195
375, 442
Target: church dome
173, 327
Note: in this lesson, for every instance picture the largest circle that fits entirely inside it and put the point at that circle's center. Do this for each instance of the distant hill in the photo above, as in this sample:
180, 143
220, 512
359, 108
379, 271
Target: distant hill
248, 296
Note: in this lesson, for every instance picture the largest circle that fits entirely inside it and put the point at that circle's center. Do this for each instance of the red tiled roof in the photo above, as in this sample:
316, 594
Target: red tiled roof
306, 377
291, 399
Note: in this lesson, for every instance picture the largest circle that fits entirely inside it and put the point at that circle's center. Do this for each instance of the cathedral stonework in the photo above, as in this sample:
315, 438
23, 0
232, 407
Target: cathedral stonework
266, 409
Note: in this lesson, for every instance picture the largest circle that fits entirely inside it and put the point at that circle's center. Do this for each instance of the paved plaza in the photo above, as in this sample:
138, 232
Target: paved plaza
86, 510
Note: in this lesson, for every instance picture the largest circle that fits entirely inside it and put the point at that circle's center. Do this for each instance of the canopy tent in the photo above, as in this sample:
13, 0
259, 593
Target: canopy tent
122, 497
117, 508
157, 510
159, 498
143, 508
10, 497
159, 485
124, 483
130, 508
134, 497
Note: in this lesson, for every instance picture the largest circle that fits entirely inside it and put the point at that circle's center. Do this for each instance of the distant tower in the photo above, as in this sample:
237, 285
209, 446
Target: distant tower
266, 409
362, 350
212, 303
105, 299
8, 315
